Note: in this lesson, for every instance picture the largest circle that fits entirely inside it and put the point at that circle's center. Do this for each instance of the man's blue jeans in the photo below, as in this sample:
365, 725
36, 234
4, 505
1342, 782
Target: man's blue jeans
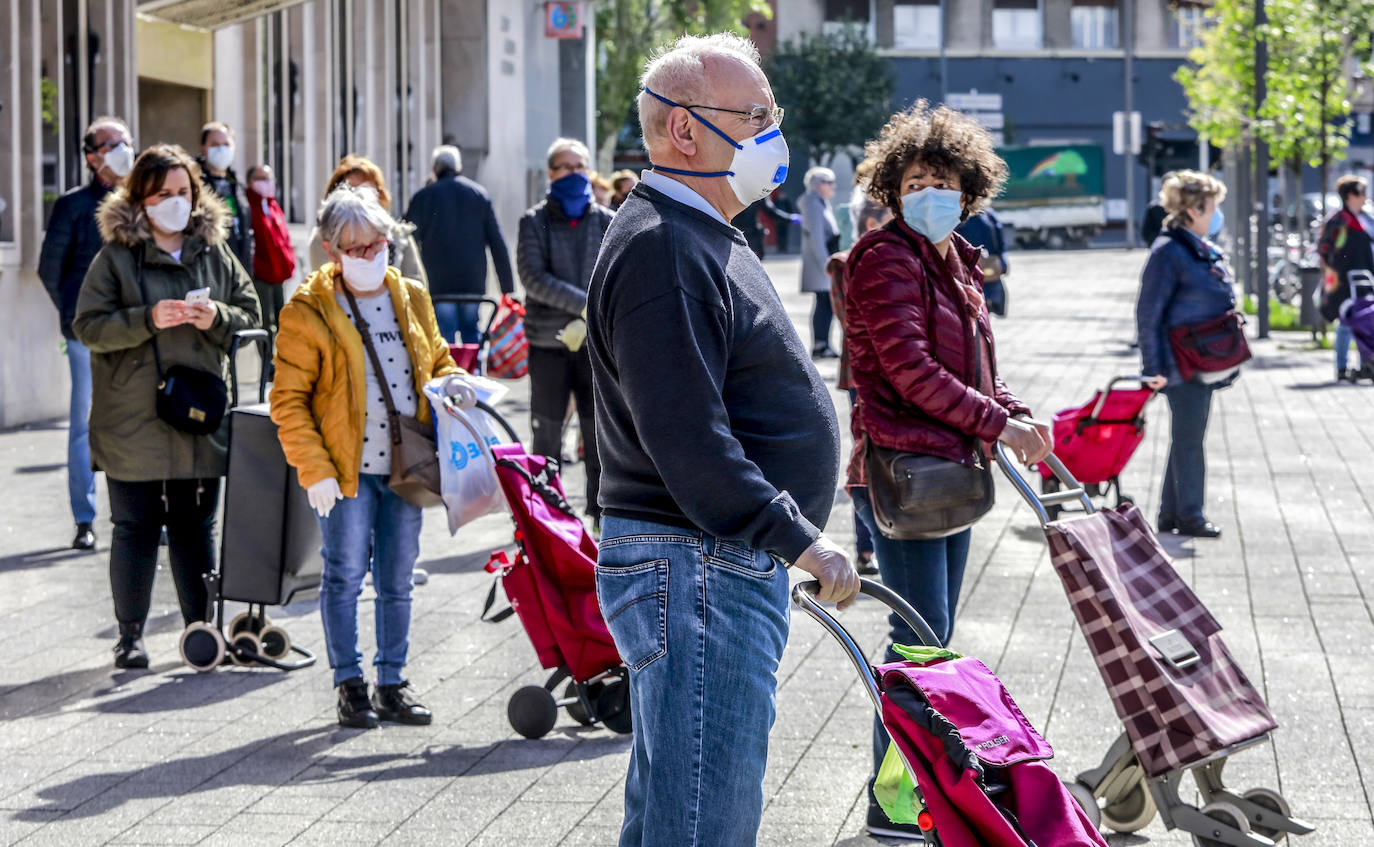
377, 530
1343, 339
458, 319
80, 477
928, 574
1185, 474
701, 622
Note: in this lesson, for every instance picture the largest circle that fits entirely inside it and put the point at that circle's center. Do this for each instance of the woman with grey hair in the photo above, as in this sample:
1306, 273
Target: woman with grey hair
358, 315
820, 238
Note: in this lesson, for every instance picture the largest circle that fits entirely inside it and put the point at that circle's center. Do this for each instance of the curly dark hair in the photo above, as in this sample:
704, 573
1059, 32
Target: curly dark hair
950, 143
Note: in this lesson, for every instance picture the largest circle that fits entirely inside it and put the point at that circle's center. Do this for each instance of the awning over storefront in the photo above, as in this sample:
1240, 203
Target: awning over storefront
210, 14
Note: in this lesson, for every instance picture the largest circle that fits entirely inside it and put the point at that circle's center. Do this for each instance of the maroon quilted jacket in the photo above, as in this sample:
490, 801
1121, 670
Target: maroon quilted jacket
911, 349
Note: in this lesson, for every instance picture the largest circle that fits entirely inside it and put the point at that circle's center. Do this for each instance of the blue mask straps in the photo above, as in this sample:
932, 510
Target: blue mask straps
717, 130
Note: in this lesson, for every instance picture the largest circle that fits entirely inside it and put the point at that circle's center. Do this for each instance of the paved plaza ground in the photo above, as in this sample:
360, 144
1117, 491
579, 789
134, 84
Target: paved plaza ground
245, 757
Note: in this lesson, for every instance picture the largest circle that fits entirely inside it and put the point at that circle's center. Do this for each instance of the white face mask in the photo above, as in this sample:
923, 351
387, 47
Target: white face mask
120, 160
171, 215
365, 275
220, 157
264, 187
759, 166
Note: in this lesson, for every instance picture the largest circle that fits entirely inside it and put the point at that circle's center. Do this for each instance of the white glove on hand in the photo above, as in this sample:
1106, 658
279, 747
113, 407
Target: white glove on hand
323, 495
465, 395
574, 334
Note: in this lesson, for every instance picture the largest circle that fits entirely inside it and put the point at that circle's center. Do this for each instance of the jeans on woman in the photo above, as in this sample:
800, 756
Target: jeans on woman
927, 574
139, 511
1343, 339
821, 318
376, 530
1185, 474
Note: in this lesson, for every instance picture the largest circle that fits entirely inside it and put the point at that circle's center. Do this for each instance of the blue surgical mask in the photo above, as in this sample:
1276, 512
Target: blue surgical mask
573, 193
1218, 222
933, 212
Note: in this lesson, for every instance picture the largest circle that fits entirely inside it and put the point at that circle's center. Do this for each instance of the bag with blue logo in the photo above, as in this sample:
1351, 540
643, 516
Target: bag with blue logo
467, 470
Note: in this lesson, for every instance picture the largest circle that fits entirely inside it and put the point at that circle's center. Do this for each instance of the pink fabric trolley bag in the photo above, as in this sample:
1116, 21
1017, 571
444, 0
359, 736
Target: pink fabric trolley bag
1184, 702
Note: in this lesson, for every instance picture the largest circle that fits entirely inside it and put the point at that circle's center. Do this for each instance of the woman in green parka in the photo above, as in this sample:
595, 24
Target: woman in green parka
165, 226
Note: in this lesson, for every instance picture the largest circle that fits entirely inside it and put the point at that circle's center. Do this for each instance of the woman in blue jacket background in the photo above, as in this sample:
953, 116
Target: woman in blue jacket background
1186, 281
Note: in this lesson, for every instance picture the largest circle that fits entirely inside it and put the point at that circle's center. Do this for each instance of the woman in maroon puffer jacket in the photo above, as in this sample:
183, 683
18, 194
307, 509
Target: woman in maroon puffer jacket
914, 310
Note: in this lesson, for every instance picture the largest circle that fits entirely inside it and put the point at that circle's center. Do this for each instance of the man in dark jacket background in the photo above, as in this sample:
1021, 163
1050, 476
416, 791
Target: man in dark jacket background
456, 225
557, 248
216, 170
69, 245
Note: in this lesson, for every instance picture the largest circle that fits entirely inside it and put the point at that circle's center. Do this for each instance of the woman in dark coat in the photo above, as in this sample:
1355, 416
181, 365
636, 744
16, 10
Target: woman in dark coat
1344, 246
921, 349
1186, 281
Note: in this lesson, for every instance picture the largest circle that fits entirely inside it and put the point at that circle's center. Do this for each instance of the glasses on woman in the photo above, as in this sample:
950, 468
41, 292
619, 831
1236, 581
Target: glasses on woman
364, 251
757, 117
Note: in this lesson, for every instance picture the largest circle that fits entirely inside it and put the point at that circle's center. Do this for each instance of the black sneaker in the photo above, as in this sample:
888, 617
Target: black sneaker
85, 537
355, 709
129, 652
1167, 526
865, 566
394, 704
1199, 529
879, 825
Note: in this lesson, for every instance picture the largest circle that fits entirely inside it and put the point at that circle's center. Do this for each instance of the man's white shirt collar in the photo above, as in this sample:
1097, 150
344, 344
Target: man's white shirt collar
680, 192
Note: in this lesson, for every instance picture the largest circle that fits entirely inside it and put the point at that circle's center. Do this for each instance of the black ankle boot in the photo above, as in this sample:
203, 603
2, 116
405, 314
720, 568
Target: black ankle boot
355, 709
393, 703
129, 652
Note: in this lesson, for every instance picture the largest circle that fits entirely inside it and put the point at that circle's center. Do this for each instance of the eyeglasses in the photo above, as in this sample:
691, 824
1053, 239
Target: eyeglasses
364, 251
112, 144
758, 117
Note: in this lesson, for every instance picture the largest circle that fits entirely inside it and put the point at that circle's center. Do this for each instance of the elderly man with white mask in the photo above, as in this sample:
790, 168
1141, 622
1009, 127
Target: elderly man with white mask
719, 447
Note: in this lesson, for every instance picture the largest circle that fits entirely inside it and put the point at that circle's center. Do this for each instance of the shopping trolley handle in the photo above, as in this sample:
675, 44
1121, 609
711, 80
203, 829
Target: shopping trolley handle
804, 595
1072, 491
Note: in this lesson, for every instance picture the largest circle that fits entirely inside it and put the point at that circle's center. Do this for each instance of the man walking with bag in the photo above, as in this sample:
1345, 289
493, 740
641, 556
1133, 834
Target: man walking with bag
719, 448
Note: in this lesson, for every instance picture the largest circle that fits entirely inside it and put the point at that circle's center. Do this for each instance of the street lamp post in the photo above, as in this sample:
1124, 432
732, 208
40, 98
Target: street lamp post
1261, 176
1128, 45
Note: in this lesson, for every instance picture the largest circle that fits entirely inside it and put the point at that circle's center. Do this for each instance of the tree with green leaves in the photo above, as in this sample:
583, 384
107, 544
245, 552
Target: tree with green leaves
836, 89
628, 31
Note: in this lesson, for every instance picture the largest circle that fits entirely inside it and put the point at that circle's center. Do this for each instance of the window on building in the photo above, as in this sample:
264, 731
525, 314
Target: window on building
840, 14
916, 25
1016, 25
1094, 24
1189, 22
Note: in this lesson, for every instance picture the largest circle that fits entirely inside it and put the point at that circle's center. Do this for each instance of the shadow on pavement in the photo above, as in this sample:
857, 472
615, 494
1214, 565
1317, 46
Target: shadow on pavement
300, 757
40, 559
32, 469
185, 688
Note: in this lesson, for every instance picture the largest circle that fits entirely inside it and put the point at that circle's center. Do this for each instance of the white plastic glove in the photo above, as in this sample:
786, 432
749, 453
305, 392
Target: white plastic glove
323, 495
456, 386
574, 334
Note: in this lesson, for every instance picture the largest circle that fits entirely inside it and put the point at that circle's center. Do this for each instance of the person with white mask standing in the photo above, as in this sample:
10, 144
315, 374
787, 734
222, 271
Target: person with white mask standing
719, 445
216, 160
69, 244
164, 293
357, 317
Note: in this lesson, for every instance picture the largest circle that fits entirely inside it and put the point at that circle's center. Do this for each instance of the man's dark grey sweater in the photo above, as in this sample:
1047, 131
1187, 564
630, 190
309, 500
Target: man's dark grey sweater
709, 412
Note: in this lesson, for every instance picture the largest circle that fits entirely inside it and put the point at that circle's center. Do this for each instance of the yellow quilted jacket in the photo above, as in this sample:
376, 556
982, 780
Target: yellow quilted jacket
319, 394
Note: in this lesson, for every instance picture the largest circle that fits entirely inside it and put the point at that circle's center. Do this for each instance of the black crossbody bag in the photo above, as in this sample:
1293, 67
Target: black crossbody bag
189, 399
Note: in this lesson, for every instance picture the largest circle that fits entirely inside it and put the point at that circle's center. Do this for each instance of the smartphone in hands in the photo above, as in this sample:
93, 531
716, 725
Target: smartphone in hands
198, 297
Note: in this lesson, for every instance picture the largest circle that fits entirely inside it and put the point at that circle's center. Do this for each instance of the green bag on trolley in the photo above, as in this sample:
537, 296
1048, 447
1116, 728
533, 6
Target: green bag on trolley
894, 789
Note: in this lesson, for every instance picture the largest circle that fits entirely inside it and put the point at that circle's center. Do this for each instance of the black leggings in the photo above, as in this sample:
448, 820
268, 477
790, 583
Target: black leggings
139, 511
555, 375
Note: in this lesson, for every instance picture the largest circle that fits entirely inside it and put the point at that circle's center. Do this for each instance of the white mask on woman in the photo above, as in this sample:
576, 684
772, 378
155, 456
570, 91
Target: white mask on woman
365, 275
171, 215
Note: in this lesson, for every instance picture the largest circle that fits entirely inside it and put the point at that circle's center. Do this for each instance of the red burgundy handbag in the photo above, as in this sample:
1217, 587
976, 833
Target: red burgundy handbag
1210, 346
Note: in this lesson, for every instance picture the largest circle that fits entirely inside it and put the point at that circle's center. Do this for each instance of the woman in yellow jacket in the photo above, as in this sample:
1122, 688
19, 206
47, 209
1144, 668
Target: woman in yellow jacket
328, 405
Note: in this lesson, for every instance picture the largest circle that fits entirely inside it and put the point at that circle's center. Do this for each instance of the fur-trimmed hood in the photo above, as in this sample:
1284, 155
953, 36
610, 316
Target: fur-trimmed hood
122, 222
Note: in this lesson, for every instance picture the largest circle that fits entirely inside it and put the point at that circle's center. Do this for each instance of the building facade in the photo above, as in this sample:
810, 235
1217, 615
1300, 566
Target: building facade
301, 83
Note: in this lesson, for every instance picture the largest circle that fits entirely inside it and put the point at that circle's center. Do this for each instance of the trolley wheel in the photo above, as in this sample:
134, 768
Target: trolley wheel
244, 622
532, 711
613, 707
1227, 816
1086, 800
1131, 811
246, 641
276, 644
575, 709
1272, 801
202, 647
